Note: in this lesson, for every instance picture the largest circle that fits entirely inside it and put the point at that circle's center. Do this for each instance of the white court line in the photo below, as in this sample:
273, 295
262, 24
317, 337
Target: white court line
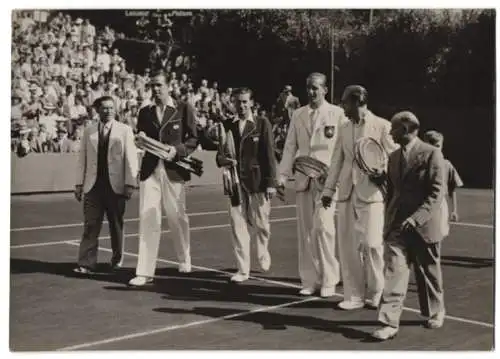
478, 225
292, 285
42, 244
200, 228
277, 220
187, 325
197, 214
70, 225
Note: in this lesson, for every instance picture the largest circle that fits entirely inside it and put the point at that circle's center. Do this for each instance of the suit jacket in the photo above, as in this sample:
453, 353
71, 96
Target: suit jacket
345, 171
254, 153
317, 143
122, 158
177, 128
417, 192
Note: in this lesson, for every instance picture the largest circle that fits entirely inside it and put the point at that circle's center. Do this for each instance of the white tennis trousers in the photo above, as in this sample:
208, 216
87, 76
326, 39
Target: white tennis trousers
157, 193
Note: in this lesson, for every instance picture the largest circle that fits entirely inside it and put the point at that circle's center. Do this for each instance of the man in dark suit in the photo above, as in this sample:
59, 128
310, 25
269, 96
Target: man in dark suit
162, 182
255, 165
107, 175
412, 230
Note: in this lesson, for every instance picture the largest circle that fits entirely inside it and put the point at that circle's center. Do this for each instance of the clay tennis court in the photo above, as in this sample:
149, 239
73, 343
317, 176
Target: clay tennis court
53, 309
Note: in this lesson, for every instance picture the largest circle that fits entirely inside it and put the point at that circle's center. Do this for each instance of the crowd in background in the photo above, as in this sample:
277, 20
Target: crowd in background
61, 66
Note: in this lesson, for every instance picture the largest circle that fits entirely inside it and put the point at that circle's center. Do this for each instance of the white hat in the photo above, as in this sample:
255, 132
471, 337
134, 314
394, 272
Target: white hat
78, 21
49, 106
24, 130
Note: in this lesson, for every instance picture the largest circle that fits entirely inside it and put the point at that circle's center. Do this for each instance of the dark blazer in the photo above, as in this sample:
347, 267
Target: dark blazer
417, 192
177, 128
254, 153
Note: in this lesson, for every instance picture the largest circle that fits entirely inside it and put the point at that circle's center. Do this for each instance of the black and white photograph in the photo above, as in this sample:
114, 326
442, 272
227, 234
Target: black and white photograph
271, 179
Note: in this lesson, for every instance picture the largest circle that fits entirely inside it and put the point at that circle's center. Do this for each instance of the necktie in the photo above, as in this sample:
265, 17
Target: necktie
103, 131
313, 119
402, 160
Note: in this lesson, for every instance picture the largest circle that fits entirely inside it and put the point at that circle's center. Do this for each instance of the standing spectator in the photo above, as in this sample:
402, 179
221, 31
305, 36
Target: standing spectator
103, 59
88, 32
286, 104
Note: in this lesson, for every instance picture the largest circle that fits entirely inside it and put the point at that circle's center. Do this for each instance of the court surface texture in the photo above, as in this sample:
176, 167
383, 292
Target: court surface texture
51, 308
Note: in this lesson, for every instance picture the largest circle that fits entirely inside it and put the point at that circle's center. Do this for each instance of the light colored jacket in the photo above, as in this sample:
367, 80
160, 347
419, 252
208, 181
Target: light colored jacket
344, 172
317, 143
122, 158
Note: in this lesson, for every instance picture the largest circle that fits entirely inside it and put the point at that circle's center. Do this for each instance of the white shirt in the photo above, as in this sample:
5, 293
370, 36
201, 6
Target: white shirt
313, 114
242, 123
161, 111
107, 127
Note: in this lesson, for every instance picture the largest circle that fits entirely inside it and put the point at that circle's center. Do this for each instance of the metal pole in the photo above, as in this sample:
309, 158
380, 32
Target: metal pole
332, 59
371, 17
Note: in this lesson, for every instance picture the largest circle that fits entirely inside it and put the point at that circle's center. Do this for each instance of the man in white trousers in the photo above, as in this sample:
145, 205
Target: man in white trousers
162, 182
313, 133
252, 155
360, 204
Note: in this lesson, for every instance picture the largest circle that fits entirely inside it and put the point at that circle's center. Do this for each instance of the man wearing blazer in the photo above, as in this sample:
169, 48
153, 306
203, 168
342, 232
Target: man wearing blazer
313, 132
256, 168
360, 204
162, 182
412, 230
107, 177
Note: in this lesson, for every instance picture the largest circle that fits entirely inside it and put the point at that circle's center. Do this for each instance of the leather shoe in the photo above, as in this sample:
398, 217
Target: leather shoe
307, 291
140, 281
327, 292
385, 333
435, 322
265, 262
184, 268
239, 277
82, 270
351, 304
372, 304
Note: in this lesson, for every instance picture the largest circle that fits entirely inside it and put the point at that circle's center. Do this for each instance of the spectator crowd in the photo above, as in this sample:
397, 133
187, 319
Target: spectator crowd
61, 66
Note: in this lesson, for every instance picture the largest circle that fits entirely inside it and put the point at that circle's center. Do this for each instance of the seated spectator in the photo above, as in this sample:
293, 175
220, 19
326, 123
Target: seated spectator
204, 86
37, 145
214, 91
203, 103
49, 118
131, 114
44, 136
201, 120
16, 106
74, 143
61, 142
23, 144
78, 110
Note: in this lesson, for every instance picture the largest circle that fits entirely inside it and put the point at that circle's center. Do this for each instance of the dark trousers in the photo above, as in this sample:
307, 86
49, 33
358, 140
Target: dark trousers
401, 251
101, 199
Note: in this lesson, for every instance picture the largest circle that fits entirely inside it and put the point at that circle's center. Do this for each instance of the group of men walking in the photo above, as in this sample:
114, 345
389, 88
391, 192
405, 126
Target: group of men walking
405, 226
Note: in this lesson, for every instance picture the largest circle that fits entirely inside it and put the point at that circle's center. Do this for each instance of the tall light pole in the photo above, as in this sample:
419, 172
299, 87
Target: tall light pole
332, 60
